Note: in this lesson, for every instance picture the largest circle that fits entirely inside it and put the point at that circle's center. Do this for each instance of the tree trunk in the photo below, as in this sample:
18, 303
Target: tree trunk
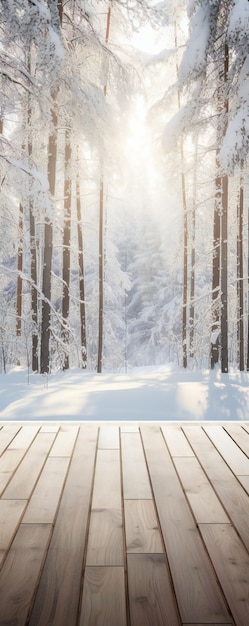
215, 335
224, 294
240, 281
81, 275
32, 234
56, 9
19, 277
185, 233
219, 337
224, 247
101, 238
247, 356
101, 278
47, 259
192, 273
66, 246
185, 265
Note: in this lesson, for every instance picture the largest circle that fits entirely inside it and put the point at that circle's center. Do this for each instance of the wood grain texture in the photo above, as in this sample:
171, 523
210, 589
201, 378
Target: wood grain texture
198, 594
7, 433
109, 437
105, 540
45, 498
202, 498
131, 427
9, 462
23, 481
231, 562
231, 494
152, 600
141, 527
50, 428
244, 480
239, 435
11, 512
107, 481
103, 602
57, 599
176, 441
75, 552
65, 441
136, 482
236, 459
20, 572
24, 437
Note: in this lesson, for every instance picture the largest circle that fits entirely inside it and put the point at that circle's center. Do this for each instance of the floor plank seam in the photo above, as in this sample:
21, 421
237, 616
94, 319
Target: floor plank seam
83, 568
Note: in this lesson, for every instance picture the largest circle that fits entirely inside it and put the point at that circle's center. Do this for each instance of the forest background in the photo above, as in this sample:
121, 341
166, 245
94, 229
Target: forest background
124, 184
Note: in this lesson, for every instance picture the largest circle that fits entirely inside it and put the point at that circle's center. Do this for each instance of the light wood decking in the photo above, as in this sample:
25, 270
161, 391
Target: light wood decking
124, 524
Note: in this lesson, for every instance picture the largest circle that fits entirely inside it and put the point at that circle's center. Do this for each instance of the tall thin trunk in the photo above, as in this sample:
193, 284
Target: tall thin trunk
47, 259
215, 340
192, 272
185, 234
101, 278
219, 336
224, 294
101, 238
240, 277
224, 247
19, 277
81, 274
66, 246
56, 9
247, 356
32, 234
185, 265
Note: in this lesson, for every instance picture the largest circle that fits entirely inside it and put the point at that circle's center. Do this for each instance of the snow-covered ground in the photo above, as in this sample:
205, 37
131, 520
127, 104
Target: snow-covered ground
162, 393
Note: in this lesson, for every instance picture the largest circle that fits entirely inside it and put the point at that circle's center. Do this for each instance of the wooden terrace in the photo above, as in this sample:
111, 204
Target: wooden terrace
124, 524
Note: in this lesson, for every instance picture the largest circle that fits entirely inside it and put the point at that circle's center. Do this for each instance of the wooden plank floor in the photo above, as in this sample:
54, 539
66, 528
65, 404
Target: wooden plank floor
118, 524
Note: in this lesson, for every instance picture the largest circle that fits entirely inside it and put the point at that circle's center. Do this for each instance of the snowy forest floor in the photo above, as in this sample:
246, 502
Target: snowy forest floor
149, 393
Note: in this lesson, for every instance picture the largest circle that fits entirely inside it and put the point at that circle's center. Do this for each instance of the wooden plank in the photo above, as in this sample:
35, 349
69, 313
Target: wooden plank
57, 598
198, 594
245, 426
231, 563
103, 602
107, 481
136, 484
20, 572
176, 441
47, 493
24, 437
23, 481
131, 427
141, 527
203, 500
6, 435
234, 457
231, 494
11, 512
239, 435
151, 597
50, 428
65, 441
8, 464
105, 541
109, 437
244, 480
